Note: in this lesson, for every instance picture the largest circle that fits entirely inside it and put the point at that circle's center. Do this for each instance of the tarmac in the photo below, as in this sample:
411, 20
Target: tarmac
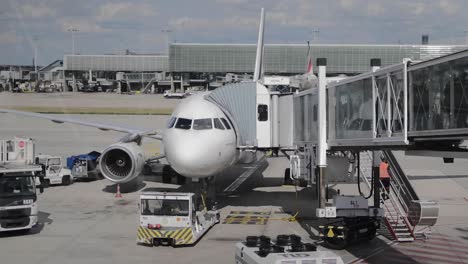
85, 223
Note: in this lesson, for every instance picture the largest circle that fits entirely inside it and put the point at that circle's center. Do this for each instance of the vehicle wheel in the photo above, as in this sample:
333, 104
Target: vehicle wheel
166, 174
45, 183
66, 180
180, 179
302, 183
335, 243
287, 178
146, 170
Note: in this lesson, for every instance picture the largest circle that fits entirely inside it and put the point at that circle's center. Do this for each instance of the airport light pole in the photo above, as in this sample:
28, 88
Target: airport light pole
35, 39
167, 32
73, 30
315, 35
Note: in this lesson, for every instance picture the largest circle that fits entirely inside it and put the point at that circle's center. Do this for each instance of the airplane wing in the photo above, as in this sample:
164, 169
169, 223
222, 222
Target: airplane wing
105, 127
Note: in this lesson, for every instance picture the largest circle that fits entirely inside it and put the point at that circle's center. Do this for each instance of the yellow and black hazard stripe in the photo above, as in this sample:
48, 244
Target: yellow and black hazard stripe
246, 219
181, 236
331, 231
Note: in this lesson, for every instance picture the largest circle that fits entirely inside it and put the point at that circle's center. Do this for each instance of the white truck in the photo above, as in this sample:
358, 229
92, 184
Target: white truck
53, 171
18, 197
173, 219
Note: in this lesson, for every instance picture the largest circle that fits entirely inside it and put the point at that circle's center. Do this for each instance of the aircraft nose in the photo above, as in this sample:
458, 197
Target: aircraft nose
192, 157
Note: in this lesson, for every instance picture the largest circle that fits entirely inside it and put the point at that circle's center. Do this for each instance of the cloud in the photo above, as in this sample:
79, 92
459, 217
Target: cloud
82, 24
8, 37
190, 23
37, 11
449, 7
119, 11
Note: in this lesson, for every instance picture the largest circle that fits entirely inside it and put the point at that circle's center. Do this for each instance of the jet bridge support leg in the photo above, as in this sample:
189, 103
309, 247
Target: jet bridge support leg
322, 130
376, 177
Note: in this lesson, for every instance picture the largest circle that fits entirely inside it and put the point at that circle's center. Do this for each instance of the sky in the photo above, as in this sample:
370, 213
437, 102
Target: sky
144, 26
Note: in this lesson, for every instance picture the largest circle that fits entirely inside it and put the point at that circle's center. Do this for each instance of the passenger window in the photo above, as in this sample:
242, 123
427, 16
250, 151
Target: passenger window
171, 122
226, 123
202, 124
218, 124
262, 111
183, 123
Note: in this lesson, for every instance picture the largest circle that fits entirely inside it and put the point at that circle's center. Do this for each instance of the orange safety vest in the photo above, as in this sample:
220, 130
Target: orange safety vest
384, 170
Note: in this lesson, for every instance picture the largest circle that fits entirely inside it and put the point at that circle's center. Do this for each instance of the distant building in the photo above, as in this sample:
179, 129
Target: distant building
192, 64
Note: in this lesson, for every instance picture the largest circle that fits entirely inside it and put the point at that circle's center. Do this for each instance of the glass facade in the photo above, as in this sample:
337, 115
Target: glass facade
353, 110
291, 59
439, 96
136, 63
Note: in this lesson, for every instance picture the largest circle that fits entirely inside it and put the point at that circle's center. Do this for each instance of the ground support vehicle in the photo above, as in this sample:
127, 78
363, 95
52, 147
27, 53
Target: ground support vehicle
350, 219
53, 171
84, 166
173, 219
18, 198
287, 249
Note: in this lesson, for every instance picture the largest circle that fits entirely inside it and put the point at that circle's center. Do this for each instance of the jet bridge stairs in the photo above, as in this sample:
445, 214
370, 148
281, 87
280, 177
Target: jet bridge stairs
397, 201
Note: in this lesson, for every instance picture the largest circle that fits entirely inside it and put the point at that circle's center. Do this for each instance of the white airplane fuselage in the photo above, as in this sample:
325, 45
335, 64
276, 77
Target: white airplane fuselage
195, 144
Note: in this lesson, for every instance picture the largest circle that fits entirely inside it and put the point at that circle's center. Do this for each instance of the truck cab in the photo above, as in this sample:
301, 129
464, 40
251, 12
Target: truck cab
53, 171
18, 198
173, 219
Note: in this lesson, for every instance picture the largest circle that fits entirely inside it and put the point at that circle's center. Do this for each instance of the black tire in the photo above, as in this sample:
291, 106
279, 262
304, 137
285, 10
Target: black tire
302, 183
45, 183
335, 243
146, 170
66, 180
287, 178
166, 174
180, 179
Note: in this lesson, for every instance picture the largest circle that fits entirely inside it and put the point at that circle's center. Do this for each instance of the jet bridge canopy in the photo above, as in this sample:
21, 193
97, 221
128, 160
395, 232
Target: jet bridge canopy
238, 101
392, 106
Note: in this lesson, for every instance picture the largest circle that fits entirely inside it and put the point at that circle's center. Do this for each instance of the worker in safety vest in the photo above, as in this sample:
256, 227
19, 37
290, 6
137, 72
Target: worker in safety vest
384, 176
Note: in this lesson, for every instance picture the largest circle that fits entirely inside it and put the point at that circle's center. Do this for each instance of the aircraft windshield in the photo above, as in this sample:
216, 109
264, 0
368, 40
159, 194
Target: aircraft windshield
14, 186
202, 124
165, 207
226, 124
218, 124
184, 123
171, 122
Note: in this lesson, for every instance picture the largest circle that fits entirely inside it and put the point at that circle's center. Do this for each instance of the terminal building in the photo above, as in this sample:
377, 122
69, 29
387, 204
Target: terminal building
196, 64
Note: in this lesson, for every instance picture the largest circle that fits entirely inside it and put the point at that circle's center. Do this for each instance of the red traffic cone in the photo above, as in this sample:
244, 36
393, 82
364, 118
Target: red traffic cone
118, 194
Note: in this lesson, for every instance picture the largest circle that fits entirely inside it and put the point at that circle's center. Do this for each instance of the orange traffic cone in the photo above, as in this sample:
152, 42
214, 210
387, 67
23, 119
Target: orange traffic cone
118, 194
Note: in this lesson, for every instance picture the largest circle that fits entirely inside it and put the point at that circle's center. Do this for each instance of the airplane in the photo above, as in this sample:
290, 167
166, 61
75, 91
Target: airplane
199, 141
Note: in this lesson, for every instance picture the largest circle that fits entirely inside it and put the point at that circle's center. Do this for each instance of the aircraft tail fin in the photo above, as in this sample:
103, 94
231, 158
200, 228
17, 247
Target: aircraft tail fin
309, 60
259, 58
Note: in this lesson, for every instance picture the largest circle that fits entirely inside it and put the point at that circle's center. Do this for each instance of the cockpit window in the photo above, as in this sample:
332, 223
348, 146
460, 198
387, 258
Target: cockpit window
226, 123
218, 124
171, 122
201, 124
184, 123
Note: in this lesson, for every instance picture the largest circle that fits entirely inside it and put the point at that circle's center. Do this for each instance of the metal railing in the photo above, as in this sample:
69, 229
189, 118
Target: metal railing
398, 209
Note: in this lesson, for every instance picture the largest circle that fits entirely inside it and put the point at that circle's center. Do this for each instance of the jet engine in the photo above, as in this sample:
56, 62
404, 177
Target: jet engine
122, 162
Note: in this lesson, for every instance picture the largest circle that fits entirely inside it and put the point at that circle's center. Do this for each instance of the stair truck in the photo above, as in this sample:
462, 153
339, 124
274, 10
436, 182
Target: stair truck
173, 218
18, 197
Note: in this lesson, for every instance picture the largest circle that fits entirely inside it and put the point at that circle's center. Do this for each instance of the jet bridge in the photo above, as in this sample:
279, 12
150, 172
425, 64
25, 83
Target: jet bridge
404, 105
419, 107
262, 118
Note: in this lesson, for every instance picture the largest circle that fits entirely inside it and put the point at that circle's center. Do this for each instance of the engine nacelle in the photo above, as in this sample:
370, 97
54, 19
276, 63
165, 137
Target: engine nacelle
122, 162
